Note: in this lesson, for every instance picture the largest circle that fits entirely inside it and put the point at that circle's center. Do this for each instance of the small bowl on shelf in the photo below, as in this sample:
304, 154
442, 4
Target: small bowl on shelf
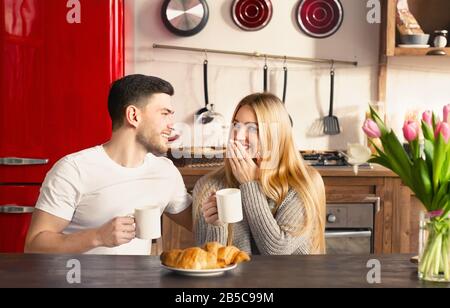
415, 39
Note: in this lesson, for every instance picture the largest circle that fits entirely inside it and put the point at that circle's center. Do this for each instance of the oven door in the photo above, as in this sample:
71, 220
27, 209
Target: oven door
350, 242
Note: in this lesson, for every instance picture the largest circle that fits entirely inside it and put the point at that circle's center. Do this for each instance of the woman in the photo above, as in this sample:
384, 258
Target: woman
283, 200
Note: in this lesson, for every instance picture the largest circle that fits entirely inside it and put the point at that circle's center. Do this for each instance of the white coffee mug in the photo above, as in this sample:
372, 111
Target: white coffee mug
148, 222
229, 205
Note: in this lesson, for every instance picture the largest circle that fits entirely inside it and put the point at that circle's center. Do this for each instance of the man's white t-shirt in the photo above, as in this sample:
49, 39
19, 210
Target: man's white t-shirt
89, 189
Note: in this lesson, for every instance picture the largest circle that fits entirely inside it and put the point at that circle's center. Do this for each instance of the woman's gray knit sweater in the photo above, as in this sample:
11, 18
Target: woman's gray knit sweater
260, 232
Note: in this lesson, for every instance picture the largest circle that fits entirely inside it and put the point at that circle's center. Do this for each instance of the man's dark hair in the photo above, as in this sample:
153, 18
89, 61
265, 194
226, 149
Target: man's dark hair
132, 90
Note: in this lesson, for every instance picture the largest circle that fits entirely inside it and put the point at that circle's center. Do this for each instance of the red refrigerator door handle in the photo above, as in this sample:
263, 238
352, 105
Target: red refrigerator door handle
15, 209
19, 161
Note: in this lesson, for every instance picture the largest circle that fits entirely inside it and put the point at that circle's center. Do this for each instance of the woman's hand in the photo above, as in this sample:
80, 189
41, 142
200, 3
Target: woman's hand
244, 168
209, 211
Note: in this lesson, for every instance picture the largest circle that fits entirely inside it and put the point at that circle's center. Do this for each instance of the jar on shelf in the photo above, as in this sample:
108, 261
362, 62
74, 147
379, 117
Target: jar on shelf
440, 38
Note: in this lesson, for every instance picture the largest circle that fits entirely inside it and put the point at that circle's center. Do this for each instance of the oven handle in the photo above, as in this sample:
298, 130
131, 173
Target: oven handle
336, 234
15, 209
376, 200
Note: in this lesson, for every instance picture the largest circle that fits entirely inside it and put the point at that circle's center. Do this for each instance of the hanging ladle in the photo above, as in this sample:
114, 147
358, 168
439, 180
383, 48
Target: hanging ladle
265, 72
285, 69
207, 119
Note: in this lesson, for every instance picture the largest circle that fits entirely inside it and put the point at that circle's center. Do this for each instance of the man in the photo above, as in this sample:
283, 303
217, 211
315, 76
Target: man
87, 197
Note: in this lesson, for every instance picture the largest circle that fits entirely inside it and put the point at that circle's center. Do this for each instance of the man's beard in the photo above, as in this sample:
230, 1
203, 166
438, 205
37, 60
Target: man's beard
151, 141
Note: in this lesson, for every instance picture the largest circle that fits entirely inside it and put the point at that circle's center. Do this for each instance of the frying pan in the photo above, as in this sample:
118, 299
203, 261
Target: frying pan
319, 18
251, 15
185, 18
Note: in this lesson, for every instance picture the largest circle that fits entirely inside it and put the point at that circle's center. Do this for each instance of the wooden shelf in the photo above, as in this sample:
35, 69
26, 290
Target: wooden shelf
431, 14
417, 51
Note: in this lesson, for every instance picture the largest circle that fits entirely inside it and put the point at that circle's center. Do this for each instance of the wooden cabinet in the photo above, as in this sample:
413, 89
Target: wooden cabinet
431, 14
396, 220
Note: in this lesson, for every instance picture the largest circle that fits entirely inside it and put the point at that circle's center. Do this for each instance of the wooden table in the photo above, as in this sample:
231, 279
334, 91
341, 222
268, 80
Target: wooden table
261, 272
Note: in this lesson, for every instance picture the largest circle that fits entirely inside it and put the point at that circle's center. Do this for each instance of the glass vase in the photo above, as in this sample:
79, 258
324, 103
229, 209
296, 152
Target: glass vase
434, 248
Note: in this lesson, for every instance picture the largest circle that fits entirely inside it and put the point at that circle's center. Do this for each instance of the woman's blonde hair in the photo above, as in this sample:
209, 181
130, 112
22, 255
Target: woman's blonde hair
282, 167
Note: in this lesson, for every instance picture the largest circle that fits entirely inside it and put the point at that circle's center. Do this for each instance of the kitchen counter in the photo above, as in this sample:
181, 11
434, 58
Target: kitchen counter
261, 272
376, 171
396, 225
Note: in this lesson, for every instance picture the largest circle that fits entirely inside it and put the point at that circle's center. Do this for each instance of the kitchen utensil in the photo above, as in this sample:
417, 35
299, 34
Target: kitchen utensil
440, 38
320, 18
285, 70
229, 205
331, 122
252, 15
415, 39
214, 131
148, 222
265, 75
205, 109
413, 46
185, 18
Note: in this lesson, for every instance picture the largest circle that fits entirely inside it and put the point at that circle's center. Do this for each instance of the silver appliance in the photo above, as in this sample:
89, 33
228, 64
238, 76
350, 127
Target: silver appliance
350, 227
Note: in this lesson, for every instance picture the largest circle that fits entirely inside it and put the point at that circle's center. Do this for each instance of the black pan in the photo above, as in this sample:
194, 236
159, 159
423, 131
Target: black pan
185, 18
251, 15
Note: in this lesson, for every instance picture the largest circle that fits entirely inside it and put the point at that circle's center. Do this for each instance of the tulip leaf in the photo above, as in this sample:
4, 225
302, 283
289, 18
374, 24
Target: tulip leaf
429, 154
378, 120
422, 183
398, 157
441, 197
438, 160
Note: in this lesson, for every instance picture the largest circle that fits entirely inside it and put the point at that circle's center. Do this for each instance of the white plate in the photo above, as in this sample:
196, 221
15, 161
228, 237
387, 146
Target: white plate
413, 46
200, 273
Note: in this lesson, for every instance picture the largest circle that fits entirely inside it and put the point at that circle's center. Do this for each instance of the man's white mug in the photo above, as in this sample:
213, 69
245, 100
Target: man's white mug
148, 222
229, 205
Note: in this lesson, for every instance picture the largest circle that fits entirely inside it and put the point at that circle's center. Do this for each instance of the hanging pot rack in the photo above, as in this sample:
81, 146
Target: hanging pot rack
257, 55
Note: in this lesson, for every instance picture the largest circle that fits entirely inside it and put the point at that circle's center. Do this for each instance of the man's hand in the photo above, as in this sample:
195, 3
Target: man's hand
119, 231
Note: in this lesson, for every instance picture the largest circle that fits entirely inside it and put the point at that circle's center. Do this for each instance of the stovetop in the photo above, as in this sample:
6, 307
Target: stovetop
328, 159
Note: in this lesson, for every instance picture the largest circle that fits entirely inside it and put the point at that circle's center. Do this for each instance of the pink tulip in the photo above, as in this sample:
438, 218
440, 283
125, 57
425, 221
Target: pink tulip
446, 112
443, 128
411, 130
427, 117
371, 129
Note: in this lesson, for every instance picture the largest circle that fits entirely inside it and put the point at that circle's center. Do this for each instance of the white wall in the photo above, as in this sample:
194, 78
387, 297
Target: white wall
231, 78
416, 84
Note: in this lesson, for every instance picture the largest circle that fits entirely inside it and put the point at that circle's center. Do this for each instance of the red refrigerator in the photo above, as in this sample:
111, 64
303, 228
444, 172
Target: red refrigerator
58, 59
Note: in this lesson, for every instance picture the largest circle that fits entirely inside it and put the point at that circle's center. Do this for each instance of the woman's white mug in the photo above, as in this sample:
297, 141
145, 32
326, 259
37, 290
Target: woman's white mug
229, 205
148, 222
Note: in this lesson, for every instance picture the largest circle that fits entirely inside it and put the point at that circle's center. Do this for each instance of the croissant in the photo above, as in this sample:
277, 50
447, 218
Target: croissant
213, 256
